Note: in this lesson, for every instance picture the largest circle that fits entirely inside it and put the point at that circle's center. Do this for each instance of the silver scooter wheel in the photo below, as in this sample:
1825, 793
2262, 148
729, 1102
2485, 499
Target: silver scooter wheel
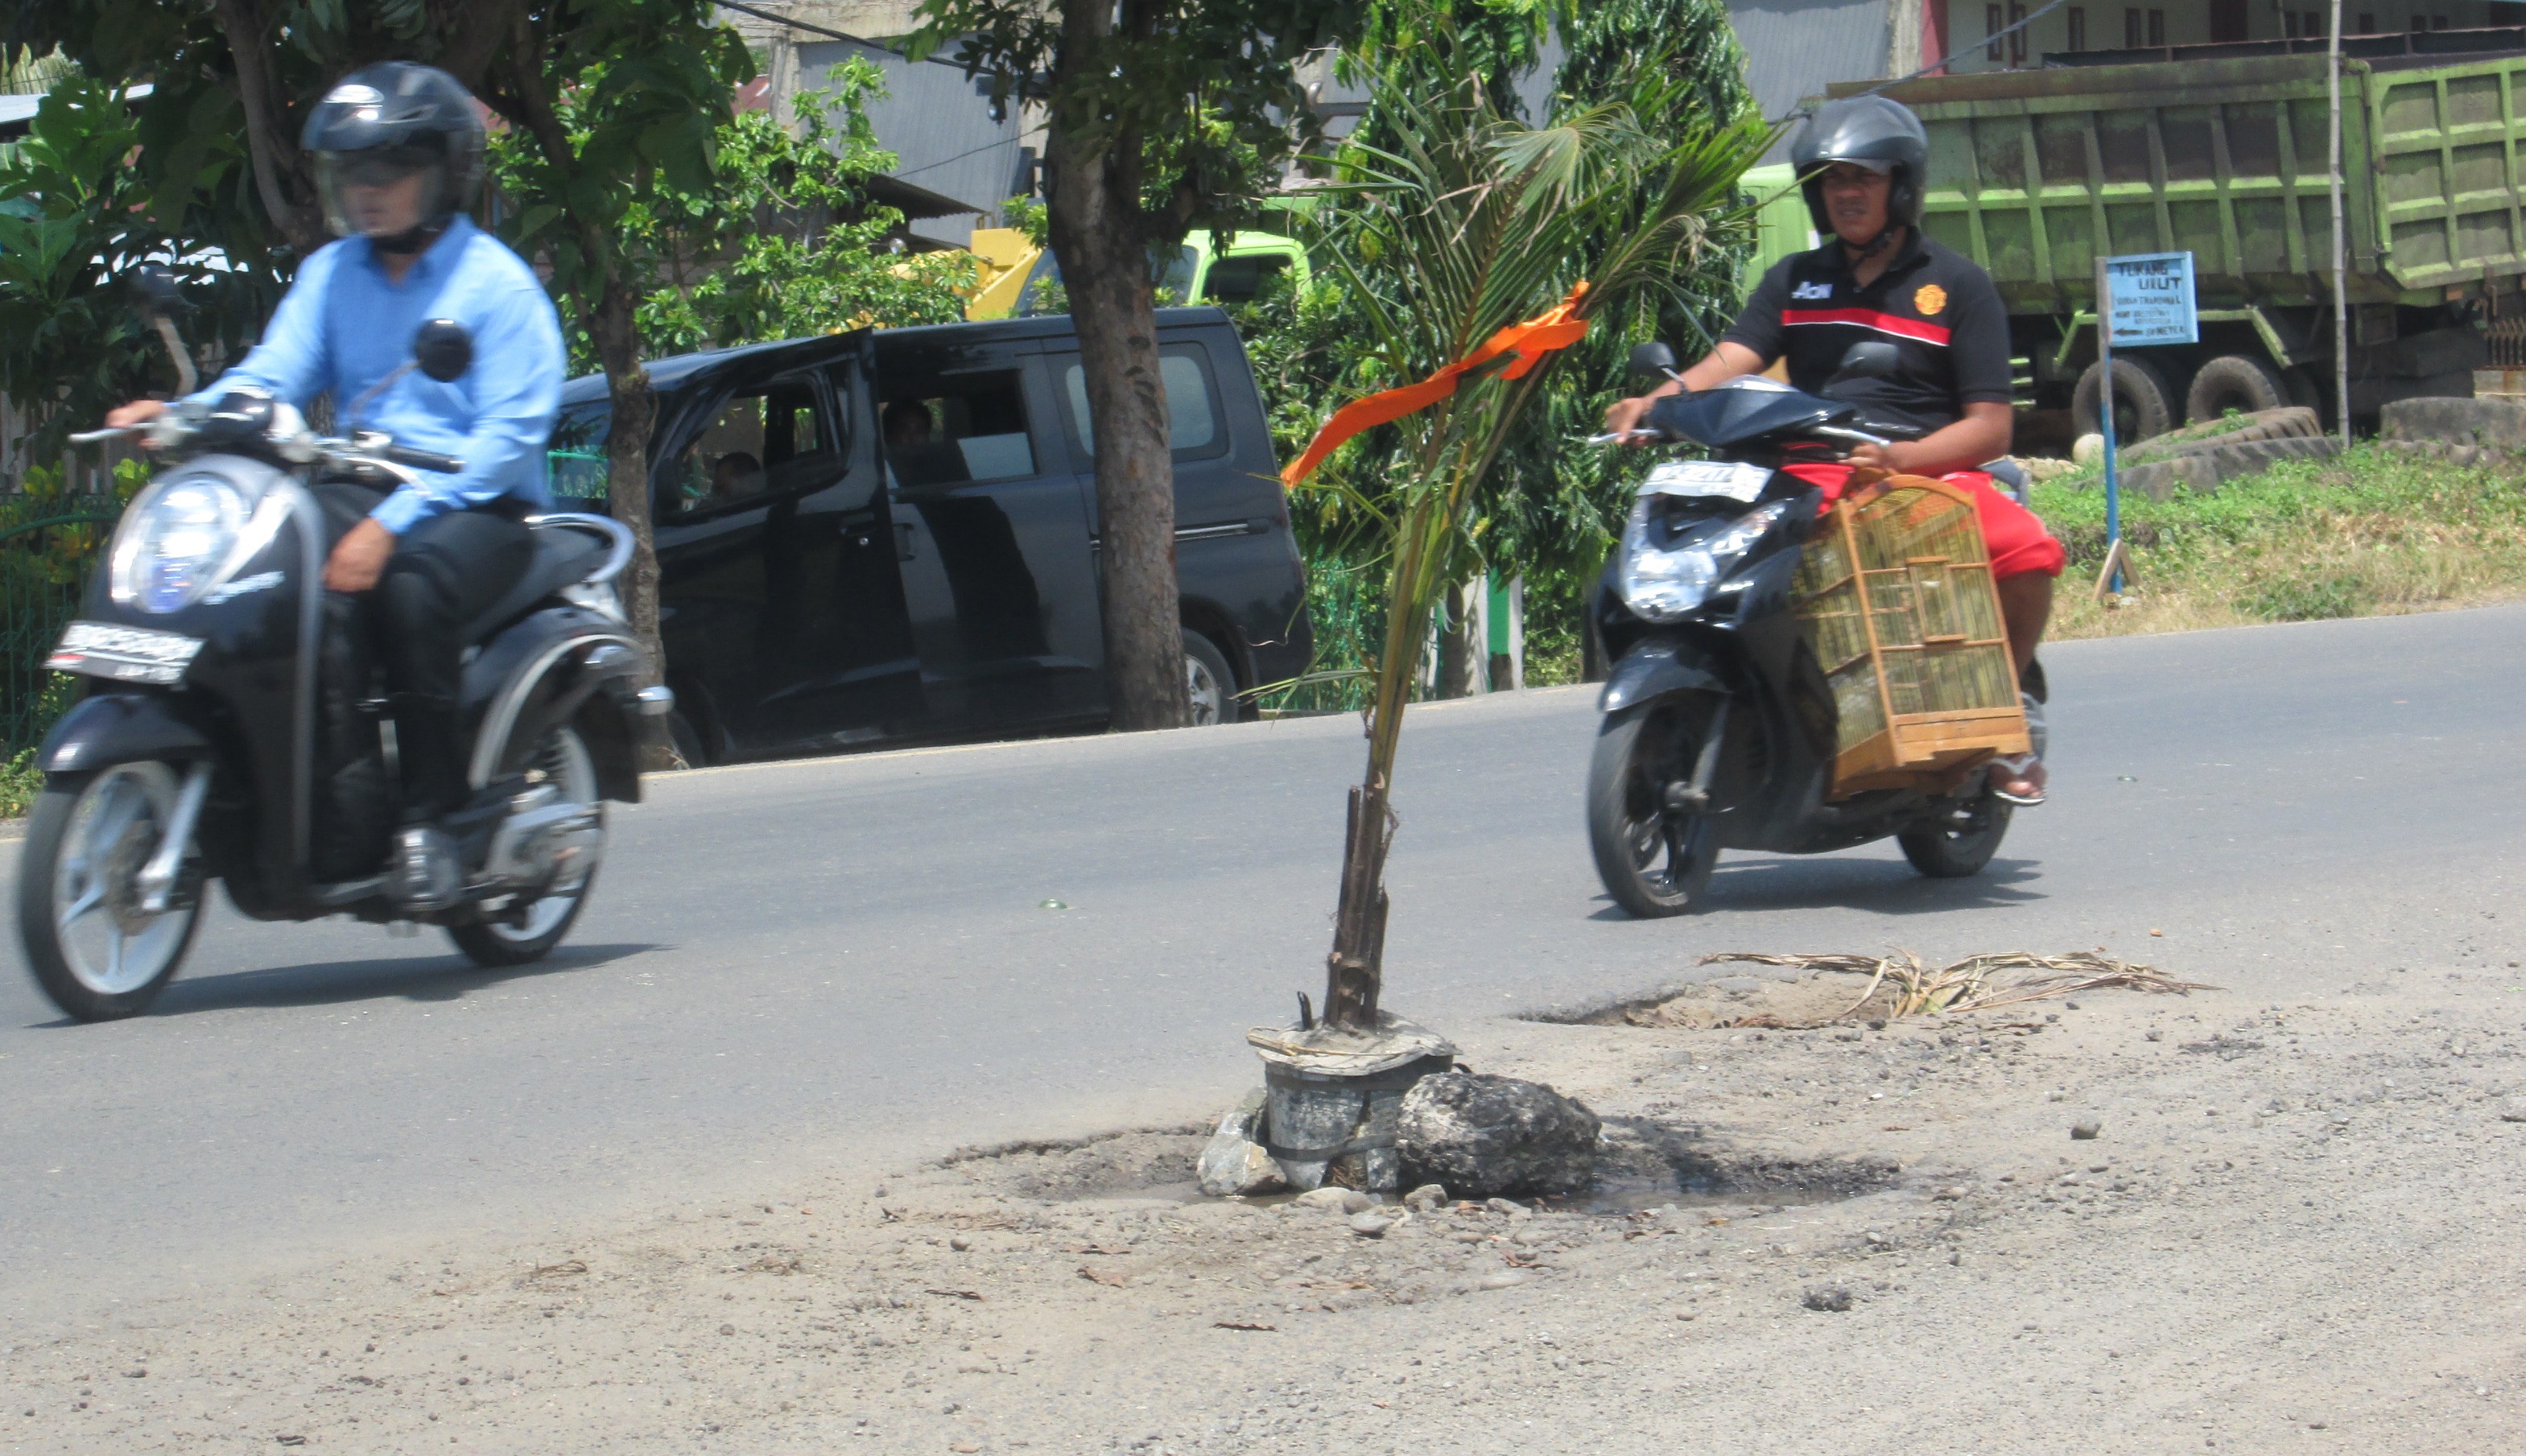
96, 953
504, 938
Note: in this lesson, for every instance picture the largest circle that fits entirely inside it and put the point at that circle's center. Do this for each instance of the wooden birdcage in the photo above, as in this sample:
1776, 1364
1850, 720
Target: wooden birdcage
1895, 595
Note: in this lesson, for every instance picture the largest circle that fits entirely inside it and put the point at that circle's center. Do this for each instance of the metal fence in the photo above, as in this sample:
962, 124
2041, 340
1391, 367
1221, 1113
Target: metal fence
44, 565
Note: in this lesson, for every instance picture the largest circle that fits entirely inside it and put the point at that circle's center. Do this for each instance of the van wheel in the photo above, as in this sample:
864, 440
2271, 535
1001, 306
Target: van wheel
2144, 405
2234, 381
1208, 681
685, 741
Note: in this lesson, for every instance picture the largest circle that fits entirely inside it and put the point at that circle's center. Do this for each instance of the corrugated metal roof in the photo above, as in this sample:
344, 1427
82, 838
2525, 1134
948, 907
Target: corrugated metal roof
939, 128
1794, 47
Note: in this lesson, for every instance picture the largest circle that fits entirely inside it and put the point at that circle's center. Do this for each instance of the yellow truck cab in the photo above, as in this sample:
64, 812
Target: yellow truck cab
1020, 278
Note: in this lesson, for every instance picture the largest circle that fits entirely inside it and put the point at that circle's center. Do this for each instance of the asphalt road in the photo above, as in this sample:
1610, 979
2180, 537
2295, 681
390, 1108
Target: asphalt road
794, 968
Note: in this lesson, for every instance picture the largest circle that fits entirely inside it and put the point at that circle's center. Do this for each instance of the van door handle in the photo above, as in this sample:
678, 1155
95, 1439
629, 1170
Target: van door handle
903, 541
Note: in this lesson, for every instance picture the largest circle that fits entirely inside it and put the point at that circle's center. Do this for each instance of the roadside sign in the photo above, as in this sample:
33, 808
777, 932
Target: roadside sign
2149, 299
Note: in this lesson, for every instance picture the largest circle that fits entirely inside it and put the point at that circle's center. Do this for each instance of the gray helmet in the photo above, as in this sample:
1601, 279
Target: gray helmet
387, 122
1872, 131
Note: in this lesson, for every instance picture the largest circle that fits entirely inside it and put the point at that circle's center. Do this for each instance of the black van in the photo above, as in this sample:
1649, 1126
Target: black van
891, 534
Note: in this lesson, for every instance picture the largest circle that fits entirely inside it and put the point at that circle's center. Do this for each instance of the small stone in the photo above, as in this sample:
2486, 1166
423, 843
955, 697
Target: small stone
1829, 1299
1426, 1197
2513, 1110
1506, 1279
1341, 1200
2086, 1132
1514, 1209
959, 1243
1236, 1164
1949, 1194
1877, 1241
2056, 1097
728, 1330
1372, 1224
2153, 1035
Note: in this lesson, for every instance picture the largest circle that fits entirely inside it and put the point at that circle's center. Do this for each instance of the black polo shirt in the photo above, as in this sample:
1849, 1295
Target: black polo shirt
1937, 308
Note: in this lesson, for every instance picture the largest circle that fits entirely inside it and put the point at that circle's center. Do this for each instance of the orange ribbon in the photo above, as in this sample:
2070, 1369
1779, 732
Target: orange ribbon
1530, 341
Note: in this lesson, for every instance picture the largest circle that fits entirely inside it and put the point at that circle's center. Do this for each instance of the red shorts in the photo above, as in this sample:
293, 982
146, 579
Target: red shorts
2017, 541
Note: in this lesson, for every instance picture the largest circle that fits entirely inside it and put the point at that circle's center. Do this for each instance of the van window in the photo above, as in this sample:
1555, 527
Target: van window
1191, 423
948, 429
764, 442
576, 454
1234, 280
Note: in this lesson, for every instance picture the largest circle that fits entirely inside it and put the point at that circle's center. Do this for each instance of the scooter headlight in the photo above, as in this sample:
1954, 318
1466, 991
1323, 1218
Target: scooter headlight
1661, 583
172, 546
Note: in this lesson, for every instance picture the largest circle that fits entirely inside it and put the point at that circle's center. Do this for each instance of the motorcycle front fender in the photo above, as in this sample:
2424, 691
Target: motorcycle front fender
1654, 669
120, 727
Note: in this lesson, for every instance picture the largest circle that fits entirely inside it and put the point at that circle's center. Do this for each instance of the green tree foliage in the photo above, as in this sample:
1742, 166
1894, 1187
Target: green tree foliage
73, 218
1164, 114
232, 83
784, 244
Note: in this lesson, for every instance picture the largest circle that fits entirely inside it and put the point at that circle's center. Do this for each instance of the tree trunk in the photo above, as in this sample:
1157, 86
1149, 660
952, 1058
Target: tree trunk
1097, 237
271, 152
1460, 649
613, 330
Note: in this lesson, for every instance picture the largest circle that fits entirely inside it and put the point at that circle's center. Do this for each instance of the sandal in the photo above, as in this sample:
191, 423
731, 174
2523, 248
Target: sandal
2025, 767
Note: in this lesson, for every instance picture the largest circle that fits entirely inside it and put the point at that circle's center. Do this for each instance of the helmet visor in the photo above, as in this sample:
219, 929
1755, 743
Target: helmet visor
381, 193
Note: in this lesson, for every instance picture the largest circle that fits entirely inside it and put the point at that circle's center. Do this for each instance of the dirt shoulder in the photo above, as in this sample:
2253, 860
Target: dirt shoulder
2292, 1233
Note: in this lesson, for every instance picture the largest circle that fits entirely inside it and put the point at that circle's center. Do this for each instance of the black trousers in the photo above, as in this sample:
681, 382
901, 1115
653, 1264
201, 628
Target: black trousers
444, 572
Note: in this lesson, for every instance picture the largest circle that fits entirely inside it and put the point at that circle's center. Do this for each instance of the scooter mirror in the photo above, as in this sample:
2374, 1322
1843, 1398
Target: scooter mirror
159, 295
1872, 360
443, 350
1652, 360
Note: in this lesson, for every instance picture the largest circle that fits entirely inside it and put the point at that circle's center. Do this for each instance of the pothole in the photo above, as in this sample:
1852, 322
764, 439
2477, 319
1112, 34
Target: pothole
1146, 1162
1648, 1164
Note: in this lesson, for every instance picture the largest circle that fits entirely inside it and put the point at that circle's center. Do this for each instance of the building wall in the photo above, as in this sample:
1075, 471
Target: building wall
1795, 48
2115, 27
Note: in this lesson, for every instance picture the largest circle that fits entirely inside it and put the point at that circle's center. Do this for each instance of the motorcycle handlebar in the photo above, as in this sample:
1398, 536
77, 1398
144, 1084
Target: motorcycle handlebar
100, 436
422, 460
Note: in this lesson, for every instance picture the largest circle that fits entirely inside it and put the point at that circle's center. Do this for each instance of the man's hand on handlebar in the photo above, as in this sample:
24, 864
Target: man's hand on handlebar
1624, 416
136, 414
359, 559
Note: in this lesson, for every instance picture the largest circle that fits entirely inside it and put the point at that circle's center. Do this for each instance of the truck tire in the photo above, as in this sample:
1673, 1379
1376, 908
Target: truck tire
2234, 381
2142, 401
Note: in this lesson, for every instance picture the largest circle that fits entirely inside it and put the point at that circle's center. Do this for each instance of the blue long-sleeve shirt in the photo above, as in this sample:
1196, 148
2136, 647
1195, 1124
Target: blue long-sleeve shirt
343, 326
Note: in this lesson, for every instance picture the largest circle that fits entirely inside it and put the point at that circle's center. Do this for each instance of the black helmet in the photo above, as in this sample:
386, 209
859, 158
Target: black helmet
388, 121
1871, 131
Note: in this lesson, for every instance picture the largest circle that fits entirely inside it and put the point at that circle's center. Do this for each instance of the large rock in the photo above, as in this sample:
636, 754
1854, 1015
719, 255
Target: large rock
1485, 1136
1235, 1161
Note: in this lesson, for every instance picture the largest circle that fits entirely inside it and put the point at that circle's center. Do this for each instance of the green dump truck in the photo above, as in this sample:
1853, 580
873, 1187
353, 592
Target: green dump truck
2221, 151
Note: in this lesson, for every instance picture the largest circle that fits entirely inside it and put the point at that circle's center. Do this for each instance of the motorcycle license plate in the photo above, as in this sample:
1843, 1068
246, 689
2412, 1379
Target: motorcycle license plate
1737, 482
126, 654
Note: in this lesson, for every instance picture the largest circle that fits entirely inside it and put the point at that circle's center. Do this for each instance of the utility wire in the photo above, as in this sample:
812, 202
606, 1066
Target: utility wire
796, 24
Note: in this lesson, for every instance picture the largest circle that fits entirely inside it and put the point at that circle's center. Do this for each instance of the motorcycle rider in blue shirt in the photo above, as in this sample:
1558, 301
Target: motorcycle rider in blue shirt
398, 150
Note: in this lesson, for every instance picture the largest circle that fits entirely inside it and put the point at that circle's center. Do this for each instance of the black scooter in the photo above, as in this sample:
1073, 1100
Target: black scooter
233, 727
1720, 728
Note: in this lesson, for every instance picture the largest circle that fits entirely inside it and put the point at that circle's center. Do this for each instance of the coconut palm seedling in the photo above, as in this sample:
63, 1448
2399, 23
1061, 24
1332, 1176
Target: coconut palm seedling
1473, 249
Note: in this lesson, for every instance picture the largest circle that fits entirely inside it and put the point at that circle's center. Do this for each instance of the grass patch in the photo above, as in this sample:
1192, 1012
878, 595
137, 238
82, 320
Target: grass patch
2372, 533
